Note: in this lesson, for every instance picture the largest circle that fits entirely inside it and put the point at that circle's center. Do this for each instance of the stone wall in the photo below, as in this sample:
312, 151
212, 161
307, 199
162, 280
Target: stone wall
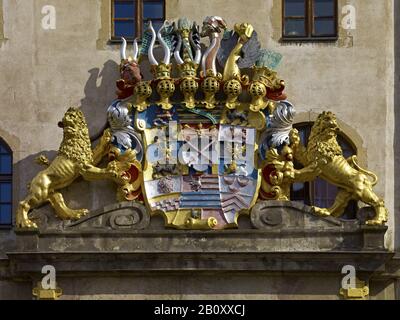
282, 251
43, 72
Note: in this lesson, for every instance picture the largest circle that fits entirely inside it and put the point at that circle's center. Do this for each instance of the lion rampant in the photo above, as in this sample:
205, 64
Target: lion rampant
75, 158
324, 153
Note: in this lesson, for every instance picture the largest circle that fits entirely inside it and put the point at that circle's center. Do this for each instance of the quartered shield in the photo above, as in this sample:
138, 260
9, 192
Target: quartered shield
197, 173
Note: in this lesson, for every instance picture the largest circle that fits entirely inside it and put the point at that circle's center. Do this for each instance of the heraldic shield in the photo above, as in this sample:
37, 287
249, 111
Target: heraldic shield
197, 174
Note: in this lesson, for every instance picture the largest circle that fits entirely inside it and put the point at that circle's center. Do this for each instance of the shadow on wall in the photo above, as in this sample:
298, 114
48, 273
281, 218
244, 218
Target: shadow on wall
81, 194
98, 97
397, 123
100, 91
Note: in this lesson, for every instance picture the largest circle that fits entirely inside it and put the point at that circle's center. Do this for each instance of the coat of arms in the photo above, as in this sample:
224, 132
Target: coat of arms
203, 140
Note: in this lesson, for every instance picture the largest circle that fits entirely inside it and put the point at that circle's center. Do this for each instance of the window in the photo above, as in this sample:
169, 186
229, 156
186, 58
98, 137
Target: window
319, 192
5, 184
310, 19
129, 17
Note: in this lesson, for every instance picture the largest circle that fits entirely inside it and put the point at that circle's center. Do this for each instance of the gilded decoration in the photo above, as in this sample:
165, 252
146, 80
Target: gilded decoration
203, 147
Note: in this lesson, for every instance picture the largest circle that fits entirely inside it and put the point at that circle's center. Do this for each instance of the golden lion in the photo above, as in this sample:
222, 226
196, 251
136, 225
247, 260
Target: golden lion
75, 158
324, 152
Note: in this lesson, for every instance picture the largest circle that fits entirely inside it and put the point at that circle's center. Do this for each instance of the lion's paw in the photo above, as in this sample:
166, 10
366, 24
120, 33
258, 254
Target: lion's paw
376, 222
380, 218
77, 214
26, 224
112, 169
322, 212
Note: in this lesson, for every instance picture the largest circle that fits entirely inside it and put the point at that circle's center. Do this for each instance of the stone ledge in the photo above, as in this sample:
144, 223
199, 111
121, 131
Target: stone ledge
275, 226
282, 237
315, 240
123, 262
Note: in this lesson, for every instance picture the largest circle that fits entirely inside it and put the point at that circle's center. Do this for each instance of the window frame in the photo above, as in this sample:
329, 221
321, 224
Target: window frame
8, 178
138, 19
309, 18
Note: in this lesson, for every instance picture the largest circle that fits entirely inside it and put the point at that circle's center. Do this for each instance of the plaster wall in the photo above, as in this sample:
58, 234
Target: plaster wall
43, 72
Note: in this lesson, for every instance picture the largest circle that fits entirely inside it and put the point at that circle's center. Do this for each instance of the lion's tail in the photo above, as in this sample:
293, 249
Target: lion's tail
42, 160
354, 163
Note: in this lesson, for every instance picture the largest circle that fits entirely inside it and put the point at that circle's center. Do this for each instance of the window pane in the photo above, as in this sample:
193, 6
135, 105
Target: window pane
156, 25
324, 8
304, 132
5, 192
347, 148
153, 10
295, 28
5, 164
295, 8
348, 152
324, 27
298, 191
351, 210
124, 9
124, 29
5, 214
324, 193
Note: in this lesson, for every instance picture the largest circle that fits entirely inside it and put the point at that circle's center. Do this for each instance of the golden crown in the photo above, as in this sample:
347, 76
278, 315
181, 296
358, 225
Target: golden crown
162, 71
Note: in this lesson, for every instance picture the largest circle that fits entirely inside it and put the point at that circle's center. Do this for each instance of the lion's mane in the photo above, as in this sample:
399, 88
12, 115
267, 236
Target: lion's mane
322, 143
76, 146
